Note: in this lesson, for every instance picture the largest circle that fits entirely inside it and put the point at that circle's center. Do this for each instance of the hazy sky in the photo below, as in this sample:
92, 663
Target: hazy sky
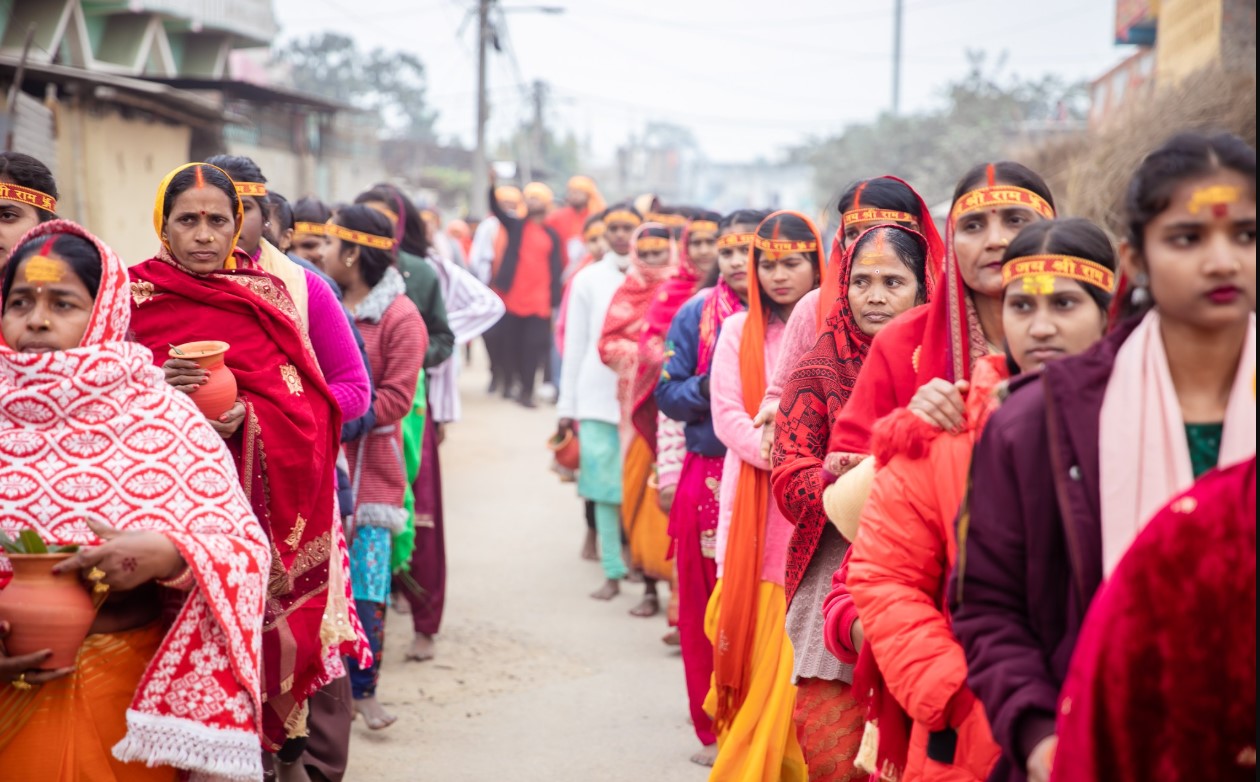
748, 76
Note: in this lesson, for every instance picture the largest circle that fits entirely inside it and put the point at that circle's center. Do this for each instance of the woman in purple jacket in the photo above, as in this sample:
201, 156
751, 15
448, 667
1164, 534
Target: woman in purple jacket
1078, 459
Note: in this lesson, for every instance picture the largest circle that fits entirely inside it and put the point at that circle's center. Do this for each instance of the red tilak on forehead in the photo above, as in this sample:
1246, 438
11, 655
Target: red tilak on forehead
1220, 210
991, 174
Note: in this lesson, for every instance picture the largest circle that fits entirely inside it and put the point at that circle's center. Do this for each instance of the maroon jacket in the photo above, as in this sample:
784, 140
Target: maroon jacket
1030, 543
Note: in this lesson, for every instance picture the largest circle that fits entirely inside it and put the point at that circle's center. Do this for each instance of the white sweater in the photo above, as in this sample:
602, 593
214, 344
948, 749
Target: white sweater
588, 389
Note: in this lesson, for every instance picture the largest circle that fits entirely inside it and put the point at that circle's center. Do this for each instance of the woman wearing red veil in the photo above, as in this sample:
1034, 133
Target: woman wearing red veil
283, 430
652, 261
890, 276
934, 345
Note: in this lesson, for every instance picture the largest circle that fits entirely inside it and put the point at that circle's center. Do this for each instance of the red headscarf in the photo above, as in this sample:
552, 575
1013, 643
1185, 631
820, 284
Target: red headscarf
941, 339
814, 393
673, 293
285, 452
94, 432
627, 315
746, 547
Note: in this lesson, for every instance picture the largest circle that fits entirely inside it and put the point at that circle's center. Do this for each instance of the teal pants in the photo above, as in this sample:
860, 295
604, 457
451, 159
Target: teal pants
608, 529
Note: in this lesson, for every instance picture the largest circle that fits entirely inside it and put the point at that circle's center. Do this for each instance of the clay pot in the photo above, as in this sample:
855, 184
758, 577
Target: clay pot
45, 610
218, 395
566, 450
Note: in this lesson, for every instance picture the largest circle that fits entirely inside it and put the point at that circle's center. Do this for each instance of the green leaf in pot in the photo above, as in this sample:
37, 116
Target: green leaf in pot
32, 542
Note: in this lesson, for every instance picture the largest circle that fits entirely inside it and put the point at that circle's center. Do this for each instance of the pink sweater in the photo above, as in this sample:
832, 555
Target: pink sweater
336, 350
735, 429
800, 335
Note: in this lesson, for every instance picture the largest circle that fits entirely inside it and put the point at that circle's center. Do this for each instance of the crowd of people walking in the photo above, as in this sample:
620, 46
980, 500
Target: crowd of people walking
967, 504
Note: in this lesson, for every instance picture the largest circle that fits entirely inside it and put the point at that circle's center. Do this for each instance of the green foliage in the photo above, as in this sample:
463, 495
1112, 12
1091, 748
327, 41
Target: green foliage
983, 114
28, 541
391, 84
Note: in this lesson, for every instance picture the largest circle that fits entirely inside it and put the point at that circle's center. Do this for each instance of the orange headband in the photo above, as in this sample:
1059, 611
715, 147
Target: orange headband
670, 221
359, 237
315, 229
26, 195
785, 246
703, 227
1038, 273
253, 189
735, 240
651, 243
998, 197
623, 216
385, 210
594, 232
872, 215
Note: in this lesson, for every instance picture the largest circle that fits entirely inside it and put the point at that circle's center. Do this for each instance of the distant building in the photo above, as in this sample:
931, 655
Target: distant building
1177, 38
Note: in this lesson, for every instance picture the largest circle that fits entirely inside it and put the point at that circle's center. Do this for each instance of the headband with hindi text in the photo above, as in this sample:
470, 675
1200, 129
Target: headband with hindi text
27, 195
735, 240
251, 189
872, 215
1001, 197
1038, 273
359, 237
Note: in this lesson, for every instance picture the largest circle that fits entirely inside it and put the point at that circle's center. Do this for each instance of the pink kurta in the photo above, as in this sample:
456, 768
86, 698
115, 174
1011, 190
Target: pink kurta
800, 334
735, 429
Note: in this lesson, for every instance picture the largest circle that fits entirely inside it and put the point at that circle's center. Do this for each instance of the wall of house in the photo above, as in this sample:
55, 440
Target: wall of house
110, 165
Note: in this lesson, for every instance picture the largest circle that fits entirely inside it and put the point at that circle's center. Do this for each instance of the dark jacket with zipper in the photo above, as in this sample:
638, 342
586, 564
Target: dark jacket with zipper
1030, 546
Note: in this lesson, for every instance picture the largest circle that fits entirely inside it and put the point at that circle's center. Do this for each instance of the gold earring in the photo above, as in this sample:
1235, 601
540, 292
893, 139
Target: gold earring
349, 262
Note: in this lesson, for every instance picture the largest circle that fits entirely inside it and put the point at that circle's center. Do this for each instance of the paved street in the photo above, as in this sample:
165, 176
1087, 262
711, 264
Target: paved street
533, 679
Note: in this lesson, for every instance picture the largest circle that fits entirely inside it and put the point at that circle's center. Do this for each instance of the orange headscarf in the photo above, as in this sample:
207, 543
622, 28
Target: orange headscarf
747, 542
586, 185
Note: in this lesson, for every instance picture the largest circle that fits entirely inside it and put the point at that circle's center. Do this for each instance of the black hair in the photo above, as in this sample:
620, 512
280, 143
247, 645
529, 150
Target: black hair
79, 254
621, 206
883, 193
743, 217
415, 237
241, 169
592, 220
911, 250
1074, 236
373, 262
282, 212
1182, 157
185, 179
1007, 172
26, 171
310, 210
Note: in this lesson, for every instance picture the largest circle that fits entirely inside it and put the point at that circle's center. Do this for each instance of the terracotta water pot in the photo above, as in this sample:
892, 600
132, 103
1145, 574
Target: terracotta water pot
218, 395
566, 449
45, 610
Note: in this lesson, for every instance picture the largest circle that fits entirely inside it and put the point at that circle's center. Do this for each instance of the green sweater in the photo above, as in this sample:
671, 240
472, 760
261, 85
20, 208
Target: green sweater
424, 290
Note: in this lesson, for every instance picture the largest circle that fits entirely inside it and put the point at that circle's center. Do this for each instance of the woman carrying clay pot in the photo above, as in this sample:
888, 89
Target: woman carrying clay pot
283, 431
96, 450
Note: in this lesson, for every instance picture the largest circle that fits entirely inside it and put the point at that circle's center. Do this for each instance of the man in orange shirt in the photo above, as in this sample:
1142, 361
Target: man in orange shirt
581, 201
528, 280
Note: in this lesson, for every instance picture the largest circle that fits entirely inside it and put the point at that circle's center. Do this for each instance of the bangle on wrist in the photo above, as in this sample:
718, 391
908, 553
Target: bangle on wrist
182, 581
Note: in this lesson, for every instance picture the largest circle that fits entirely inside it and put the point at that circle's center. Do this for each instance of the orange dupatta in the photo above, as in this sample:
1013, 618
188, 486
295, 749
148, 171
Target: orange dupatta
746, 544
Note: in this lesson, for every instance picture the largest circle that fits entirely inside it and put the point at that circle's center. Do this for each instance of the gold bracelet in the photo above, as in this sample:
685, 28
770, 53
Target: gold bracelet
182, 581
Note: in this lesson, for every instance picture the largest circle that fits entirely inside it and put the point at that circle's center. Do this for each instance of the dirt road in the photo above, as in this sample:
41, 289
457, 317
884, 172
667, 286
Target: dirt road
534, 681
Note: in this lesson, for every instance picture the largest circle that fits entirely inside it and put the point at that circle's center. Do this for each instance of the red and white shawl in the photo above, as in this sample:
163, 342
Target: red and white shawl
95, 432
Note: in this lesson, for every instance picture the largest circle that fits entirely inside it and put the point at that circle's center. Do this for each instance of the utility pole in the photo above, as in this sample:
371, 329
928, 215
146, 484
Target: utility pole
896, 74
479, 204
536, 131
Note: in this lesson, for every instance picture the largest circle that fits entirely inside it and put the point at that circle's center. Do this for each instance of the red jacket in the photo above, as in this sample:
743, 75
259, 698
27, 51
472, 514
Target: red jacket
900, 565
